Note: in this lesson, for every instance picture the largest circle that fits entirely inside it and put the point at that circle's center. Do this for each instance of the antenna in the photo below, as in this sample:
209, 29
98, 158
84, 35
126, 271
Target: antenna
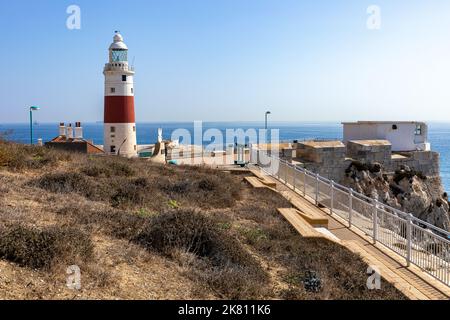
132, 63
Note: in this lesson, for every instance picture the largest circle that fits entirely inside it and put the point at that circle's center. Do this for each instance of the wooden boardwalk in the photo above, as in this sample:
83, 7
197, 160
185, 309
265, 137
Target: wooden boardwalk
412, 281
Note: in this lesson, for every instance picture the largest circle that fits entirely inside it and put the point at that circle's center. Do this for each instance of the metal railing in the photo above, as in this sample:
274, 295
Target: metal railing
419, 242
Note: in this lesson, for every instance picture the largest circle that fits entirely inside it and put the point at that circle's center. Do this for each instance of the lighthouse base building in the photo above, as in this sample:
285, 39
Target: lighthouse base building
119, 117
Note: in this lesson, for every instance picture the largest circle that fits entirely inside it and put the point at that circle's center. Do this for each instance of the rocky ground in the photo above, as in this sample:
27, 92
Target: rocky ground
406, 189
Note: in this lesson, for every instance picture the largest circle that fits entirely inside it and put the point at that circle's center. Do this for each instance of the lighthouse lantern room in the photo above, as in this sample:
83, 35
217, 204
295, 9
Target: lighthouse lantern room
119, 117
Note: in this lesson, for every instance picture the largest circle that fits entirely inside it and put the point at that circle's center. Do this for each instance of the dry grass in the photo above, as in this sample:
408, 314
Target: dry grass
201, 232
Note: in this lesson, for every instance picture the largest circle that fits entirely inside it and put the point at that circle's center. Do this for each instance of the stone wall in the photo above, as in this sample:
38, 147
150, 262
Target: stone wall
331, 160
426, 162
370, 151
326, 158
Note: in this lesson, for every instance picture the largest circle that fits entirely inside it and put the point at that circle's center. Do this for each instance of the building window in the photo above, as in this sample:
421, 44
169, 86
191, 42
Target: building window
394, 127
418, 130
124, 78
113, 129
113, 149
113, 90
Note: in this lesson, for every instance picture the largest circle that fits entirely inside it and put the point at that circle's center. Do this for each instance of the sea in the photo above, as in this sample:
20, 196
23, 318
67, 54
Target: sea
438, 134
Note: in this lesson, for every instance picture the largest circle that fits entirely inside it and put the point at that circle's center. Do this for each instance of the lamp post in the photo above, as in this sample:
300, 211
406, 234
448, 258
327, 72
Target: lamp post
32, 108
267, 113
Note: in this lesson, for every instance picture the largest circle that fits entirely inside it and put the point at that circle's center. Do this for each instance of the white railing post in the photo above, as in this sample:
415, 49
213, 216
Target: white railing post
408, 239
294, 175
279, 169
286, 173
375, 221
304, 182
350, 207
331, 196
317, 189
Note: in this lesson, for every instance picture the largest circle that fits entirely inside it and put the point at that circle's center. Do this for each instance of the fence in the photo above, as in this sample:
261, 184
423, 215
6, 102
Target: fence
419, 242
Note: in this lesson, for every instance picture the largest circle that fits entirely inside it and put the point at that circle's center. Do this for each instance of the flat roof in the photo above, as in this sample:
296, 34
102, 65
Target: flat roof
383, 122
371, 142
323, 144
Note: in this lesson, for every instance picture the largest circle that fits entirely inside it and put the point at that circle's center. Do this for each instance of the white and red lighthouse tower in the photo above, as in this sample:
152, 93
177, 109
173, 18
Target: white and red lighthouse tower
119, 118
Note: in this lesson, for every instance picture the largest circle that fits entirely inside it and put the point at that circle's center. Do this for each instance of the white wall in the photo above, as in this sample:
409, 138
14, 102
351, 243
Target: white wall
402, 139
122, 131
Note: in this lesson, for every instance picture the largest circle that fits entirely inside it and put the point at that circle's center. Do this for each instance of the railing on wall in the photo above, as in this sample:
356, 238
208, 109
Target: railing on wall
419, 242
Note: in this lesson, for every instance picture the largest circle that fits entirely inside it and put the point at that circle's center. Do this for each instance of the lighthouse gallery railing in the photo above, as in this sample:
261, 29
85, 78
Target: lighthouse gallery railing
419, 242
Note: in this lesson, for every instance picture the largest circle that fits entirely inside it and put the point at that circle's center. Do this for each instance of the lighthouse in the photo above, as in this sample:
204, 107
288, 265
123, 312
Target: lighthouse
119, 129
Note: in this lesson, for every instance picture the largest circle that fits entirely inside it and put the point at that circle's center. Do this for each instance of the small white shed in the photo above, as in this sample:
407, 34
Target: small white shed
403, 135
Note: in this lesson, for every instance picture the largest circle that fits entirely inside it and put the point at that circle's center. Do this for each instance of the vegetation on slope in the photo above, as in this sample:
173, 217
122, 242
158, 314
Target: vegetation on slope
141, 230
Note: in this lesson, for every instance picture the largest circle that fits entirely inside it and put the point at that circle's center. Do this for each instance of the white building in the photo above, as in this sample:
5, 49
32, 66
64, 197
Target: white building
403, 135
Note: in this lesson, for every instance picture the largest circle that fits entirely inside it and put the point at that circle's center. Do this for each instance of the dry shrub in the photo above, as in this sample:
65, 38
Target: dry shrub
202, 189
108, 167
42, 249
131, 193
18, 157
74, 182
119, 224
65, 182
221, 260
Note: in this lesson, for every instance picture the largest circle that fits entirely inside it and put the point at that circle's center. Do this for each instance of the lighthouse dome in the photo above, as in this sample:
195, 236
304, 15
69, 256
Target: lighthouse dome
118, 37
118, 43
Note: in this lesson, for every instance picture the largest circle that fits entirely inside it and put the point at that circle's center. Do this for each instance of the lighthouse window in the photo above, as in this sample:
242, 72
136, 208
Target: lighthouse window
113, 149
132, 90
113, 90
113, 129
124, 78
134, 128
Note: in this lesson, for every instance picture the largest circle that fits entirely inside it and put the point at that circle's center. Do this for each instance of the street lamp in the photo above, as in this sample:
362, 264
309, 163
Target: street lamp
32, 108
267, 113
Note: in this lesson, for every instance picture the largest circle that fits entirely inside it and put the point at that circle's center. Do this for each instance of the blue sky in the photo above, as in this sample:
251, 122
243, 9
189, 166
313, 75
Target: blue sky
226, 60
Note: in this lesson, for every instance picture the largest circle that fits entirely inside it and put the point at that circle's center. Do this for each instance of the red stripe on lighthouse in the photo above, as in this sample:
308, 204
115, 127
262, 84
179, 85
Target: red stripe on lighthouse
119, 109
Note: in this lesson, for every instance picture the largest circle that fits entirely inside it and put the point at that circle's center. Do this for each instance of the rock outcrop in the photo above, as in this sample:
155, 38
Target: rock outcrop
406, 190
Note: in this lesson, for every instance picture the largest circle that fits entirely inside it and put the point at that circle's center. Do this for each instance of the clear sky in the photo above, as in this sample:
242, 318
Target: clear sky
226, 60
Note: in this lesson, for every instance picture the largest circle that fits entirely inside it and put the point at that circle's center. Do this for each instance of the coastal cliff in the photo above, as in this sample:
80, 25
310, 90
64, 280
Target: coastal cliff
406, 189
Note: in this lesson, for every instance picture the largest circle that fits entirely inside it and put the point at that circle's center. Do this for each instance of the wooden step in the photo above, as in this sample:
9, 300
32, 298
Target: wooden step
301, 225
255, 182
264, 179
313, 218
